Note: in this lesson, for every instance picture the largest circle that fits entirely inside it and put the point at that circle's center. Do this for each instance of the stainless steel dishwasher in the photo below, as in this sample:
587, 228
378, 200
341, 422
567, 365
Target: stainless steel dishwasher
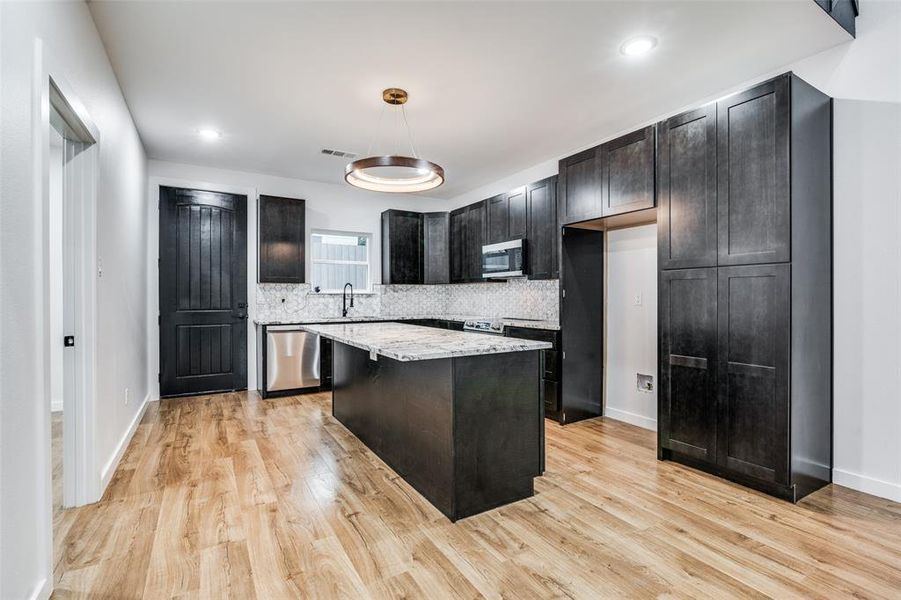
292, 358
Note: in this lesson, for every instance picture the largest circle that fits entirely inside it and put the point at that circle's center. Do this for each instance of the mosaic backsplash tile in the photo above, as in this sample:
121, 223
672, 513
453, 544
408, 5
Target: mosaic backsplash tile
517, 298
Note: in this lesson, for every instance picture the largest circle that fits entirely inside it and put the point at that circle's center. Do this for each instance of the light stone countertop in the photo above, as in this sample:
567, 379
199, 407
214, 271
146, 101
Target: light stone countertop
508, 322
405, 342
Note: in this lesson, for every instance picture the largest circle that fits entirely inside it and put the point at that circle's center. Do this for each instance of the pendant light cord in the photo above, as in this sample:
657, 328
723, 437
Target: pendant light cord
403, 111
378, 128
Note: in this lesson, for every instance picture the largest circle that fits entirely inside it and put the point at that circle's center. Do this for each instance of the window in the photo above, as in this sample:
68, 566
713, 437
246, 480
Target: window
340, 257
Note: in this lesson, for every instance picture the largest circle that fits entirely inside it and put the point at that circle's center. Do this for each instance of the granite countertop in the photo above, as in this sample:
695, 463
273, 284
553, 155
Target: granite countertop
405, 342
508, 322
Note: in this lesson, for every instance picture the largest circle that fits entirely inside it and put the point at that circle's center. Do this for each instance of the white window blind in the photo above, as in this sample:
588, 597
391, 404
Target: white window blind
340, 257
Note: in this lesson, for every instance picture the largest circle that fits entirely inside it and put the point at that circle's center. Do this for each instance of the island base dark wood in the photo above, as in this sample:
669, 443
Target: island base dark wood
465, 432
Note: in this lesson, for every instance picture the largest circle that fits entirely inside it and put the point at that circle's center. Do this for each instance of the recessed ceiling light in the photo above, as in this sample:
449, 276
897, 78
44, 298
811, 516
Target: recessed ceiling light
208, 134
638, 45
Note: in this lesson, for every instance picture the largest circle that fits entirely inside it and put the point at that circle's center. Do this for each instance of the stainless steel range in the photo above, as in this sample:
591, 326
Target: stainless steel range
492, 326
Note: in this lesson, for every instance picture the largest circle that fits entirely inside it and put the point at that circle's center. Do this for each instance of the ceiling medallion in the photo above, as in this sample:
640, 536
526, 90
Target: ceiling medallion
394, 172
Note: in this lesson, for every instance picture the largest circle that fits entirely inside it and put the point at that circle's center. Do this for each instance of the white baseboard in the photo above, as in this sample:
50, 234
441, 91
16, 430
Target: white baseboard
113, 462
41, 590
631, 418
868, 485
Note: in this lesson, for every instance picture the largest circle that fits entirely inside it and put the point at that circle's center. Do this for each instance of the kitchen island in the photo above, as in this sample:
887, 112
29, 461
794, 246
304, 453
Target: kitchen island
458, 415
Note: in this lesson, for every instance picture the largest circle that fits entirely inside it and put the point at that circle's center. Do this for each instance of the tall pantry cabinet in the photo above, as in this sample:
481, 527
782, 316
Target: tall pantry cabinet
745, 287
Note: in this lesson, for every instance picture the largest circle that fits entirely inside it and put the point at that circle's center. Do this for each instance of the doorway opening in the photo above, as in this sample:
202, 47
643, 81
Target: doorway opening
69, 176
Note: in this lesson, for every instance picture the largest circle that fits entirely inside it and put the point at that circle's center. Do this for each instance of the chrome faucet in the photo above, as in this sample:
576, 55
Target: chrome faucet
344, 306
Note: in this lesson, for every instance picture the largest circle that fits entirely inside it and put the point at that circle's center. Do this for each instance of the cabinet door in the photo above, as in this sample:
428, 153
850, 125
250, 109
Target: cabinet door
436, 261
498, 219
629, 181
476, 225
753, 351
753, 175
542, 239
516, 214
281, 240
687, 407
686, 190
581, 193
401, 247
458, 245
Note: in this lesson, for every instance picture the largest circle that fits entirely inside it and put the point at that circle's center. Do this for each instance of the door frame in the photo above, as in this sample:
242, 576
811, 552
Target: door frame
153, 275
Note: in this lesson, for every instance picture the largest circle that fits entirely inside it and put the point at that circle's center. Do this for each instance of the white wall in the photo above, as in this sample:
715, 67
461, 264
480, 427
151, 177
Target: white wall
328, 206
70, 38
631, 324
867, 70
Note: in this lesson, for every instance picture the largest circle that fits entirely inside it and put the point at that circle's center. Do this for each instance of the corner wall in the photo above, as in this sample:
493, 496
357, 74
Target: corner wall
68, 36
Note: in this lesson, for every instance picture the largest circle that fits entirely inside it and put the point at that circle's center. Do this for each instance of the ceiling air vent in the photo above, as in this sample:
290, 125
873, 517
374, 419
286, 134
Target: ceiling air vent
338, 153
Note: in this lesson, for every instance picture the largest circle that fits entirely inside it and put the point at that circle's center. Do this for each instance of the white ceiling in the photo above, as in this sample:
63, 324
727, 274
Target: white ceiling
495, 87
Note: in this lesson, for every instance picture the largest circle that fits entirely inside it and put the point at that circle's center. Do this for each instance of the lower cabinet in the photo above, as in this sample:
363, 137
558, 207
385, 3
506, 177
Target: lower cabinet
738, 392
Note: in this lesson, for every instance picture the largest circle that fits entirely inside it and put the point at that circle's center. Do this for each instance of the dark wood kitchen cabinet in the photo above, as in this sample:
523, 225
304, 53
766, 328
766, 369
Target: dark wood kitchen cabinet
402, 247
753, 172
543, 235
457, 220
581, 179
436, 248
507, 216
686, 190
281, 240
468, 232
770, 288
753, 349
687, 323
628, 173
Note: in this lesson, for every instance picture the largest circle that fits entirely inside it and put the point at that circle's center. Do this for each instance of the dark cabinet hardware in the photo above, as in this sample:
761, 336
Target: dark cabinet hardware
69, 341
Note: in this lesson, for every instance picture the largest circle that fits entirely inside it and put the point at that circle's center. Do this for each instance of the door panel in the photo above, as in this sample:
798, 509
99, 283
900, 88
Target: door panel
543, 234
516, 213
688, 362
498, 219
753, 174
581, 194
629, 184
754, 335
686, 191
203, 291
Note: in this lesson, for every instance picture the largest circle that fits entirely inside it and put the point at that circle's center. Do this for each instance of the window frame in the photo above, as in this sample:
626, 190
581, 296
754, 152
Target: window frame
323, 261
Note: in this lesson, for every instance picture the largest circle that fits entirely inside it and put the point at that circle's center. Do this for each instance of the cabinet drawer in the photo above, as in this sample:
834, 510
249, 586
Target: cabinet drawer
550, 393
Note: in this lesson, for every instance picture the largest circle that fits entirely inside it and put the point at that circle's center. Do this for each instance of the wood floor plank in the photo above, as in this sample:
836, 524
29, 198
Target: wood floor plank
233, 496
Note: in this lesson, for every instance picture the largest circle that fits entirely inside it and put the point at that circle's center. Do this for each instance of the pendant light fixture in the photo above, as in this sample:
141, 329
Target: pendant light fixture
394, 172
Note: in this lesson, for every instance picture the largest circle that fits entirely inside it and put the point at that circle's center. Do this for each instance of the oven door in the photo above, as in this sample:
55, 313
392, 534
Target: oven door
506, 259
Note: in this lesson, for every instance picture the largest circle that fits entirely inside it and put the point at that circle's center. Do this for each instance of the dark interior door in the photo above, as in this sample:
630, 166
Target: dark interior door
203, 291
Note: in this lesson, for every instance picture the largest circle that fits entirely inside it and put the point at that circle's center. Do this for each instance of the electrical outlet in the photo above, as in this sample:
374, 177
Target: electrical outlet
126, 396
636, 299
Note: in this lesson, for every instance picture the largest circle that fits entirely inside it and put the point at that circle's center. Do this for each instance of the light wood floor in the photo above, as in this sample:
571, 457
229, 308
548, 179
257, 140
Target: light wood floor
233, 496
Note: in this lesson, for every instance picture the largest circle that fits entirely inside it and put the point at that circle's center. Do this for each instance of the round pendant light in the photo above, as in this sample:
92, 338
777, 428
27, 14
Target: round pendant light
395, 172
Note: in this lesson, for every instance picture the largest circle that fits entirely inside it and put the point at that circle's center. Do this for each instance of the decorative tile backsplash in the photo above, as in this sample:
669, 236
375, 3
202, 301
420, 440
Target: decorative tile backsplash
517, 298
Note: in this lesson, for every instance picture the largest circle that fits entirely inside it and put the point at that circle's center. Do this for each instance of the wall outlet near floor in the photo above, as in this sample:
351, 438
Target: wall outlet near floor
645, 383
126, 396
636, 299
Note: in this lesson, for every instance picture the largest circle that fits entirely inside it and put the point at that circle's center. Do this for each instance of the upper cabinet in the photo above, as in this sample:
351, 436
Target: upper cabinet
281, 240
580, 186
506, 214
753, 135
686, 190
436, 248
402, 247
543, 235
468, 232
628, 178
613, 178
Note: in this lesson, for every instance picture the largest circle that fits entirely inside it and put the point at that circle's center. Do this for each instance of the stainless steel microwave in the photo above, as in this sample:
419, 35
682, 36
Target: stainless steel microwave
504, 259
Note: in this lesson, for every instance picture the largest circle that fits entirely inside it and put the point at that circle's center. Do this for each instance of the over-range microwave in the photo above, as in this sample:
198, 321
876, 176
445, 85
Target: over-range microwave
504, 259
